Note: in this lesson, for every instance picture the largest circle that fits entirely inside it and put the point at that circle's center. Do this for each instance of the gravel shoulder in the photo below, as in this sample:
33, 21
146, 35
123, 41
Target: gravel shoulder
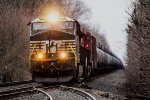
113, 82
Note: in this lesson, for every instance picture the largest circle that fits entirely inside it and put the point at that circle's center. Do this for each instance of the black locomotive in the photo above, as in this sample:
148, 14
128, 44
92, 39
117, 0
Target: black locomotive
60, 52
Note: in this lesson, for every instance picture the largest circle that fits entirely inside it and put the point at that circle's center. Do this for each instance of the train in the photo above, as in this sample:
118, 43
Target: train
60, 51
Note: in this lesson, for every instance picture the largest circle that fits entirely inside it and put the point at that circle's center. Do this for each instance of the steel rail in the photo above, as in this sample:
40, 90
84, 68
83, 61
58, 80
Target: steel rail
87, 95
16, 92
137, 96
16, 83
44, 92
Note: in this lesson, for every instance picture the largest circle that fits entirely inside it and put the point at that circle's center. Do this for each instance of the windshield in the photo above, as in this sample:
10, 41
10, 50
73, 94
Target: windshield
64, 26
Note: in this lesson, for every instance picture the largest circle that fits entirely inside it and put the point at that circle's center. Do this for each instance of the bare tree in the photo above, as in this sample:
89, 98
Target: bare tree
139, 47
75, 9
14, 40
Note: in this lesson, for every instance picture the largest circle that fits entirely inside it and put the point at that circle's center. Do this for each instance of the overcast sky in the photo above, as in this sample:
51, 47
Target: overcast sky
112, 18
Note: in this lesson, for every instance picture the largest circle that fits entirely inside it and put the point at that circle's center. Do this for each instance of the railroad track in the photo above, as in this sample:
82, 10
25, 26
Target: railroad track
13, 89
71, 87
26, 91
18, 91
31, 90
4, 95
73, 90
137, 96
16, 83
79, 91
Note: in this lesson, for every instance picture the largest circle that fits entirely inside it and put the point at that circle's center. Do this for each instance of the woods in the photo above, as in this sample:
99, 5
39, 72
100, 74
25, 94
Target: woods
138, 68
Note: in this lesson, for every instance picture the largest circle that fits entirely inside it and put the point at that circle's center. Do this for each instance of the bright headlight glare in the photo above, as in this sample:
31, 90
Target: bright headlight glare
40, 56
63, 55
53, 17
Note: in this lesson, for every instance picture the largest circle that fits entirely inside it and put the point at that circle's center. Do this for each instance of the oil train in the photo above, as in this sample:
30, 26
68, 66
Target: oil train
60, 52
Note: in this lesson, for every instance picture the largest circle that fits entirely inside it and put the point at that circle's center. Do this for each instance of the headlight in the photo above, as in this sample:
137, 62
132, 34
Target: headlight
53, 17
40, 56
63, 56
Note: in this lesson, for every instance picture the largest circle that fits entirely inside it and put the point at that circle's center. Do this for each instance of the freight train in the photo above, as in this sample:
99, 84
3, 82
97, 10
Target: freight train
60, 51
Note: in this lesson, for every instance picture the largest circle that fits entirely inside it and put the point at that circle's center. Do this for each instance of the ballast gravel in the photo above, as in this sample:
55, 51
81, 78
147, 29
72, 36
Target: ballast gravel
113, 82
58, 94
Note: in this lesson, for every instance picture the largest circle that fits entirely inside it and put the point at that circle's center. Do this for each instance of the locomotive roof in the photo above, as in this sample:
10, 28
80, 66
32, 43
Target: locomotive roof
52, 34
45, 20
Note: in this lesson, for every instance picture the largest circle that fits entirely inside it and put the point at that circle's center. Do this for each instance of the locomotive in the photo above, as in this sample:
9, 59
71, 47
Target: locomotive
60, 51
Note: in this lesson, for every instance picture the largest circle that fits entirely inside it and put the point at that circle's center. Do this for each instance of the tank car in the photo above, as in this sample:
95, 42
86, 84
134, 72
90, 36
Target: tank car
107, 60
